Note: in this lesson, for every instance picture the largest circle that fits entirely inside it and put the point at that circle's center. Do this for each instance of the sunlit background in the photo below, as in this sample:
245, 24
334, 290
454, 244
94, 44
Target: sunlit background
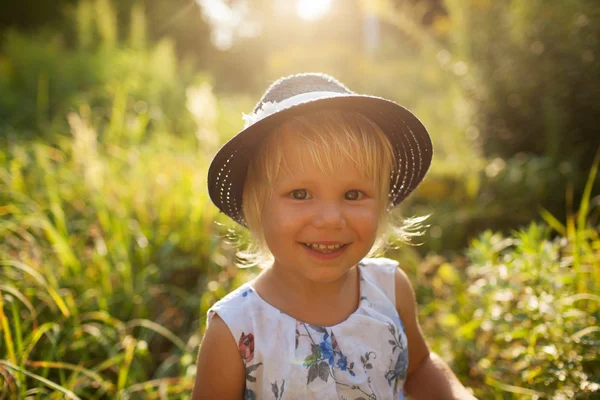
312, 9
111, 252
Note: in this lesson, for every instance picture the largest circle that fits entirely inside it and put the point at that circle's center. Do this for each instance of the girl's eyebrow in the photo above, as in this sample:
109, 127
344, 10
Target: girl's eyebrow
305, 181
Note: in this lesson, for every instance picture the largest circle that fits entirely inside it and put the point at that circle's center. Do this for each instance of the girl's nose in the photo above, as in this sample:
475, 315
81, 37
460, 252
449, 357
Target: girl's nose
329, 216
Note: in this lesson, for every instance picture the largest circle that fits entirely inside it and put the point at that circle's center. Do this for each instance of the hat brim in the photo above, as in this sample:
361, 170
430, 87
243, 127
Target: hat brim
407, 134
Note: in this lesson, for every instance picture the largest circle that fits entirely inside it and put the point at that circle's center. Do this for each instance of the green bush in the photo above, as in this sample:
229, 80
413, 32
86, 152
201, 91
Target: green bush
108, 243
533, 77
500, 195
42, 77
522, 311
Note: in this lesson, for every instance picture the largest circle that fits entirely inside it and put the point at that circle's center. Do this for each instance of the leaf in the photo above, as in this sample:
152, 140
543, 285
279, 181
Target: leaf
324, 370
275, 389
319, 329
391, 342
309, 360
252, 368
316, 350
249, 370
392, 329
368, 366
313, 372
282, 387
362, 359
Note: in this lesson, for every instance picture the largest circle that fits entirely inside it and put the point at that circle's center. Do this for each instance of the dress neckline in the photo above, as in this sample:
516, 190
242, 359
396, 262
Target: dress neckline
360, 302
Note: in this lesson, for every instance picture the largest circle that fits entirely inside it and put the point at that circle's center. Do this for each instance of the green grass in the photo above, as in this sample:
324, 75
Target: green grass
521, 310
110, 257
103, 248
111, 252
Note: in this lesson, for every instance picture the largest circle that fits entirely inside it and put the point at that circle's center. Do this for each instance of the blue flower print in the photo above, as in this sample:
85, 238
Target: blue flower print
327, 349
342, 363
246, 292
325, 356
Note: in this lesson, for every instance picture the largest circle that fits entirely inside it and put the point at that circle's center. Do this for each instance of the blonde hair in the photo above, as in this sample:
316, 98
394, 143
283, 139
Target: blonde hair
332, 139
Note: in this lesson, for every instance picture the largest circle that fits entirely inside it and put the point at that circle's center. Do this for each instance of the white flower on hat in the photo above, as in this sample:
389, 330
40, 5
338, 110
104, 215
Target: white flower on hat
272, 107
267, 108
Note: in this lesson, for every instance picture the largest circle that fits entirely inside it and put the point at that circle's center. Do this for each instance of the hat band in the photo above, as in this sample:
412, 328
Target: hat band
272, 107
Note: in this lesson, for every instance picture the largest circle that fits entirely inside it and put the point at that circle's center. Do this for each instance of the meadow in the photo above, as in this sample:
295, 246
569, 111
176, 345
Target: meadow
111, 251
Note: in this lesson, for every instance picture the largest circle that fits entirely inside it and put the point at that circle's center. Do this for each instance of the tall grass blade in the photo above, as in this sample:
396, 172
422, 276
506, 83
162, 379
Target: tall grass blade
103, 317
553, 222
42, 282
9, 386
112, 362
584, 332
511, 388
36, 335
124, 370
17, 325
160, 330
106, 386
61, 246
187, 383
27, 303
8, 340
69, 394
587, 192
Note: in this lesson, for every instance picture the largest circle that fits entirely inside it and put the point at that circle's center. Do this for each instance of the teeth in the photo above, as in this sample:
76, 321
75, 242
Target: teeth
324, 246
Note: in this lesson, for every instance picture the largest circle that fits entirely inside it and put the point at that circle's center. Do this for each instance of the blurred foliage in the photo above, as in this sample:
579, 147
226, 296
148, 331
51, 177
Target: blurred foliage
109, 243
41, 78
522, 314
522, 309
534, 82
109, 251
455, 74
499, 195
180, 20
98, 263
535, 78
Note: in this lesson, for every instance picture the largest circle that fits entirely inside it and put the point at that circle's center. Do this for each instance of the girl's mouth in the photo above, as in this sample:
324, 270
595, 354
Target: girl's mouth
325, 248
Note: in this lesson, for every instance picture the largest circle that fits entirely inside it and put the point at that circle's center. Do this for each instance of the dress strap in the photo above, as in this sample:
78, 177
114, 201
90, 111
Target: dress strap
381, 272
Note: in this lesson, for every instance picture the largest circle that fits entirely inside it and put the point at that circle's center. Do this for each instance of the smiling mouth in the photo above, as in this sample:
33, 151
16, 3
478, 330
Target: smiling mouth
325, 248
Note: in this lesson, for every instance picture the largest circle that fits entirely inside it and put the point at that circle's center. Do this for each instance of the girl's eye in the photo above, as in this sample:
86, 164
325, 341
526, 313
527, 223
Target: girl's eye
353, 195
300, 194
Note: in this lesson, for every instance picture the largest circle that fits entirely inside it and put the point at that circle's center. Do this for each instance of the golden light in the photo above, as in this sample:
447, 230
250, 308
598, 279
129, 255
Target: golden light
312, 9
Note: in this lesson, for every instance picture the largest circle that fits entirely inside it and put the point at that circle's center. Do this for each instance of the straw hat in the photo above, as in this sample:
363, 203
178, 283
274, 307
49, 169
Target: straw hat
304, 93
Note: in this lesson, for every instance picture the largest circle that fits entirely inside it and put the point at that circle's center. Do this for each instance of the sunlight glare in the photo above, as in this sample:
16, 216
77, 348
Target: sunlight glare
312, 9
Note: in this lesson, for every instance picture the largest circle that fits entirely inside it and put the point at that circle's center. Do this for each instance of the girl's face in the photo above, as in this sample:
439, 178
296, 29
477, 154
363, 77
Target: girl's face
318, 226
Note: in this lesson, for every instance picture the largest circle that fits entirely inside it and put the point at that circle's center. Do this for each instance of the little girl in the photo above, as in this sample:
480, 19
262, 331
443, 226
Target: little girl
314, 176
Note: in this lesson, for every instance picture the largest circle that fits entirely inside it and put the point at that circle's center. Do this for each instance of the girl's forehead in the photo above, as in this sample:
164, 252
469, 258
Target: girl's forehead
301, 157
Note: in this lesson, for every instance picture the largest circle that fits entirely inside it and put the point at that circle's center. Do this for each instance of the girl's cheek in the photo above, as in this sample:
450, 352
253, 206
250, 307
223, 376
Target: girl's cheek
285, 212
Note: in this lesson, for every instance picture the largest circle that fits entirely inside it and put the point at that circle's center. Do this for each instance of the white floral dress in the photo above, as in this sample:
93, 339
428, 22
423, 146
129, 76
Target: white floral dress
363, 357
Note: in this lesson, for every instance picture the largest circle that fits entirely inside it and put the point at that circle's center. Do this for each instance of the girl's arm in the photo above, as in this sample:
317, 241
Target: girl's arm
428, 377
220, 372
